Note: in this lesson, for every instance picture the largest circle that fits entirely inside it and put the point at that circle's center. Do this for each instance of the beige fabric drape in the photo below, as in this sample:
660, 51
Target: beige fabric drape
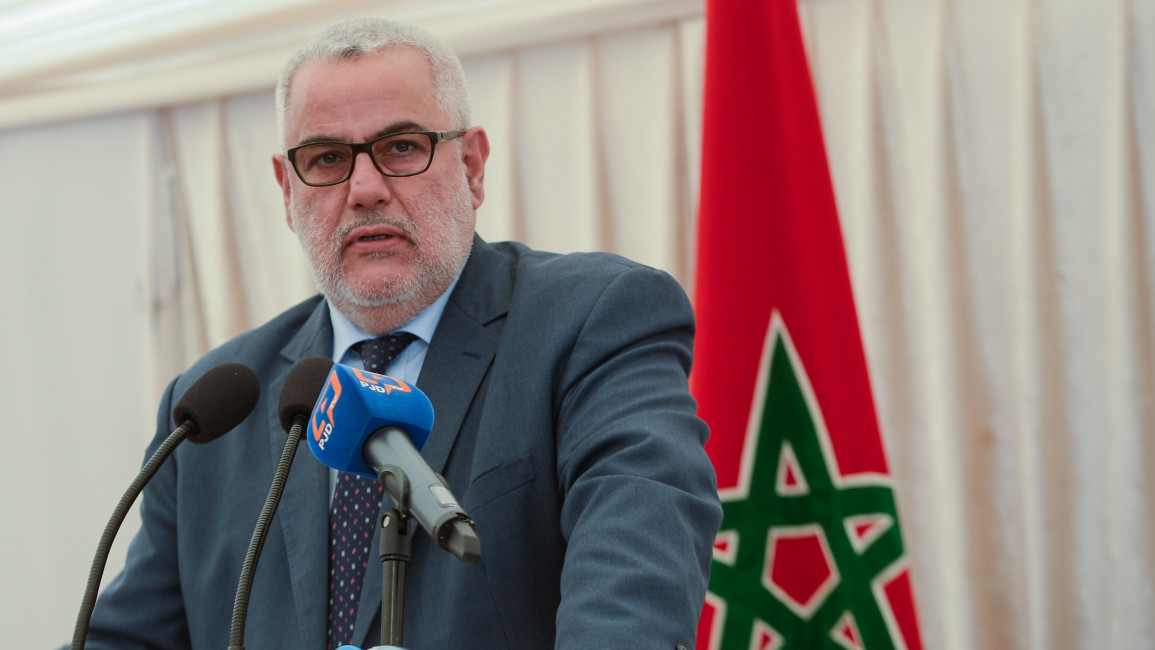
994, 164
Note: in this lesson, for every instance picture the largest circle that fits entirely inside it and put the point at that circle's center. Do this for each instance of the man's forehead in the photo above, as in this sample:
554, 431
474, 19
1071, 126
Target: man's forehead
391, 86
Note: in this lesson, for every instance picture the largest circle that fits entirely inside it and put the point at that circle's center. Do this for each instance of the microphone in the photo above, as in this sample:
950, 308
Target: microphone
303, 384
214, 405
374, 425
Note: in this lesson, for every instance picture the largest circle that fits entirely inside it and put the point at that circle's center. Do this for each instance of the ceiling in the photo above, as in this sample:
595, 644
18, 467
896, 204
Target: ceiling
63, 59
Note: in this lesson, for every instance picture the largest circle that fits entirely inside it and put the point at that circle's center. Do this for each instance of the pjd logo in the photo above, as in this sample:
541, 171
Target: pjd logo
322, 422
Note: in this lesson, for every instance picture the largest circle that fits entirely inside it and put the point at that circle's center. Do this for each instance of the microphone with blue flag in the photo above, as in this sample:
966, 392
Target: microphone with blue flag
375, 425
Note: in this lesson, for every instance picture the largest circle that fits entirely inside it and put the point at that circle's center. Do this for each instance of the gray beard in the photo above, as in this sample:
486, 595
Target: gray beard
451, 237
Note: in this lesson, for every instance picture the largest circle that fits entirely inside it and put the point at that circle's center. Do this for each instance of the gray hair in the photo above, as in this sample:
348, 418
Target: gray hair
350, 39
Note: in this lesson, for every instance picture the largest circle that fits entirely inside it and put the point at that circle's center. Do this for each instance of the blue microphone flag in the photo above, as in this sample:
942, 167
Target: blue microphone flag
356, 403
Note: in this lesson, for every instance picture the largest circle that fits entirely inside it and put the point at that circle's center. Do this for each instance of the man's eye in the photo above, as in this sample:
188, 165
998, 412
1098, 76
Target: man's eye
401, 147
326, 158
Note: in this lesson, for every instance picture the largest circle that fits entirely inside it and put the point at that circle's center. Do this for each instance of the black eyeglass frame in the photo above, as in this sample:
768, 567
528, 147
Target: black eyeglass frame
367, 147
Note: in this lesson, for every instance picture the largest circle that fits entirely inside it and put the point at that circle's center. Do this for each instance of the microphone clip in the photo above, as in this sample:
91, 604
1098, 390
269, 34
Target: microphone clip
396, 484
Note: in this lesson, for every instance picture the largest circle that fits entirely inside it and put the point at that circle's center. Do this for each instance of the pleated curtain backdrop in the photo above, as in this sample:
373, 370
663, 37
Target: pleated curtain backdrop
995, 168
994, 164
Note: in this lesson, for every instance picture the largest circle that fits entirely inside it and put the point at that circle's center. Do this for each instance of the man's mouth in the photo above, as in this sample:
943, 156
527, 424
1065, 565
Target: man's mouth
375, 237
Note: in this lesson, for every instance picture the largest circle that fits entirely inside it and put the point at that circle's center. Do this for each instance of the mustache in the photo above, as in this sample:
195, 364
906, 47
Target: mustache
376, 219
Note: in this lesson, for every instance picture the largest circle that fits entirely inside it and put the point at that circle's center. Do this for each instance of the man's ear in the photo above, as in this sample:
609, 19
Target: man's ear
281, 171
474, 152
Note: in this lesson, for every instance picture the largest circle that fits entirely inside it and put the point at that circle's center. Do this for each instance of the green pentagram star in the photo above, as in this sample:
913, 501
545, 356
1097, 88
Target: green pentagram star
821, 507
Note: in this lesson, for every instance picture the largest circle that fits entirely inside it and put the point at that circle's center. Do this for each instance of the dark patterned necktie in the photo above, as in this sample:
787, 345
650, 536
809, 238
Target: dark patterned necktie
354, 513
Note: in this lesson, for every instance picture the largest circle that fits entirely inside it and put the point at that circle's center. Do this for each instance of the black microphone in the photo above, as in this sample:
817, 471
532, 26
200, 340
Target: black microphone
302, 386
214, 405
367, 424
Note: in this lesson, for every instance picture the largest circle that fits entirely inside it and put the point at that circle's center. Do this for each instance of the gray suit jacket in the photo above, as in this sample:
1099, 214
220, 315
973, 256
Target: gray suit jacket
563, 425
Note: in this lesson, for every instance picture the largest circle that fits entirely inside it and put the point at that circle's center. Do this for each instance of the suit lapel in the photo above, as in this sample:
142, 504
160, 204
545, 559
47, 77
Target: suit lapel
303, 513
454, 367
462, 349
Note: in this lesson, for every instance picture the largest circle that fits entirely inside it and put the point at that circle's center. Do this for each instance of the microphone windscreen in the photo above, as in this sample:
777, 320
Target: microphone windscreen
218, 401
302, 387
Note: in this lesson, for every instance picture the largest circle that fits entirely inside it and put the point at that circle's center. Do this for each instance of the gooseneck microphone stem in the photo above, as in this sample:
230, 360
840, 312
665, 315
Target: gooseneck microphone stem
260, 532
80, 632
298, 394
211, 407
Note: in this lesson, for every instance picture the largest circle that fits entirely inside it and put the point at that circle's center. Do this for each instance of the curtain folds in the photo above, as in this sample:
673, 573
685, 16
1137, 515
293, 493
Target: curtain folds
993, 168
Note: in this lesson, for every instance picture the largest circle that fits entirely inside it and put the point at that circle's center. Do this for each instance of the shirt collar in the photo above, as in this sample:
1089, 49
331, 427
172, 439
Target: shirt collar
346, 334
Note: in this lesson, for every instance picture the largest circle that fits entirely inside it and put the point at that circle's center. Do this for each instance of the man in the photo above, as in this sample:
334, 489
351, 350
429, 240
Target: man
563, 421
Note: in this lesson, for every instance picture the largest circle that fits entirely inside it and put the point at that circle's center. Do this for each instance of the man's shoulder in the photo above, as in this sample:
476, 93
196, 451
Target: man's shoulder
524, 256
555, 289
258, 347
531, 268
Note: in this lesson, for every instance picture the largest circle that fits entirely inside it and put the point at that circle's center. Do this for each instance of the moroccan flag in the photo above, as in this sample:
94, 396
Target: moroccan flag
810, 554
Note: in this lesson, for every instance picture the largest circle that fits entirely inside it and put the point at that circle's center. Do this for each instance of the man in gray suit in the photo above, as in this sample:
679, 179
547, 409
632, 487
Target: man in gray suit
559, 382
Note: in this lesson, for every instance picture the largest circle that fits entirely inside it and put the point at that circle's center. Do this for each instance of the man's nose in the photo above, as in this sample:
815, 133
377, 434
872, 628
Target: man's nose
367, 186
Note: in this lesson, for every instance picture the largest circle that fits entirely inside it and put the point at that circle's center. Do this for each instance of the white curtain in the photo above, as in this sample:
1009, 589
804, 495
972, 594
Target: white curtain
994, 164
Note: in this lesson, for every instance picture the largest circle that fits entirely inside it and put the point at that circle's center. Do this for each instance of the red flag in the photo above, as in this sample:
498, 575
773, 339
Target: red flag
810, 554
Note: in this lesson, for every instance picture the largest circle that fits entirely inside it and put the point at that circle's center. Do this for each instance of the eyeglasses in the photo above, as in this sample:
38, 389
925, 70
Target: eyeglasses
397, 154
